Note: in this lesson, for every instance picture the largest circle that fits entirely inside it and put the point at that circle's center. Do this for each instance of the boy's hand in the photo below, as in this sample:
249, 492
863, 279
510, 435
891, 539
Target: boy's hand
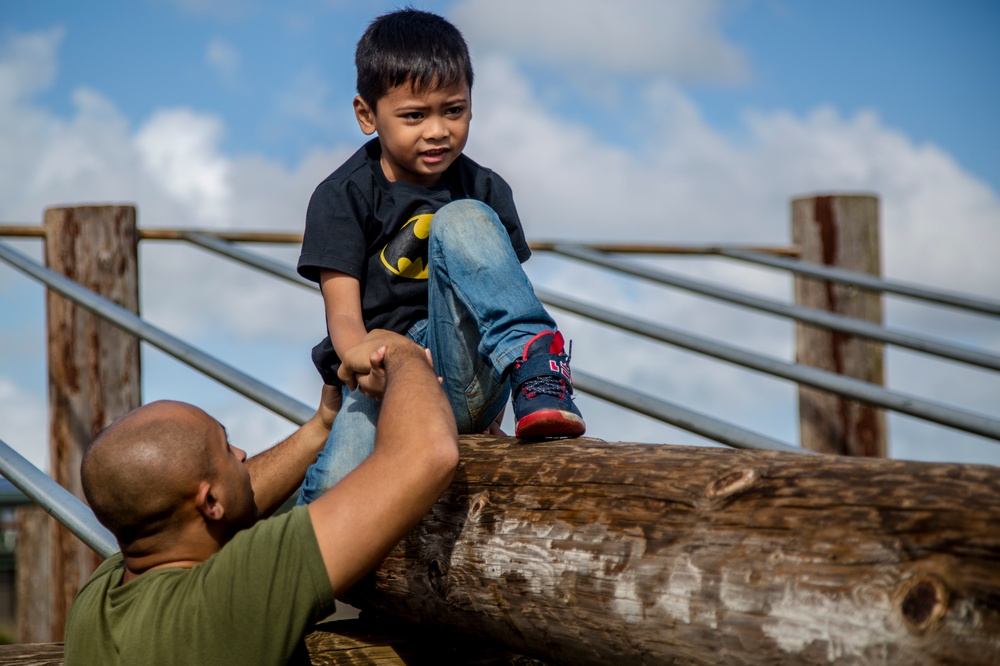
362, 366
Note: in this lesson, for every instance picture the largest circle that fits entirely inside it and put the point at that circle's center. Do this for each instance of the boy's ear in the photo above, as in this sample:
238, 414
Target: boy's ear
365, 115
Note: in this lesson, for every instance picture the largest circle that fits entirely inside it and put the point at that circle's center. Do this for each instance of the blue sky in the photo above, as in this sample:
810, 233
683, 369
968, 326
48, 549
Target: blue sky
928, 68
685, 121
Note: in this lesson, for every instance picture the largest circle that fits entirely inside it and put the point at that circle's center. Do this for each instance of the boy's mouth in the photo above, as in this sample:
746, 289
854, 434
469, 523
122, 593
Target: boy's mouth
433, 156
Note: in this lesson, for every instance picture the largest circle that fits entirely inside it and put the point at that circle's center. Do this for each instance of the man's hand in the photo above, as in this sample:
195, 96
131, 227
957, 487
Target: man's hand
362, 366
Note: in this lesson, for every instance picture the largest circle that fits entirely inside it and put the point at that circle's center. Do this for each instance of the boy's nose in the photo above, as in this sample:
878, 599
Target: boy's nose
436, 129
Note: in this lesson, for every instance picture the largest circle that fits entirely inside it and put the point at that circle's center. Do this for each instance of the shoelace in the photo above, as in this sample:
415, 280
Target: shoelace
545, 384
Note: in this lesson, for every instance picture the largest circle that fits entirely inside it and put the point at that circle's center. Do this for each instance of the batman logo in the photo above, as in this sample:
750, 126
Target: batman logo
405, 254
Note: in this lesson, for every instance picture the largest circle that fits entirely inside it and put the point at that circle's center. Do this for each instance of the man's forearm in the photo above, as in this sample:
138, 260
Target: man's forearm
278, 471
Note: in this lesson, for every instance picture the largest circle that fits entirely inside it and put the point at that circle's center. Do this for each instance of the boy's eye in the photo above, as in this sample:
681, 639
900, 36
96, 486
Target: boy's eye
413, 115
455, 110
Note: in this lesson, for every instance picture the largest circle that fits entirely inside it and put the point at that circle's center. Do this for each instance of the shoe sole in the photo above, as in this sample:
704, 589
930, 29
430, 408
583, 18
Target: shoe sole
550, 423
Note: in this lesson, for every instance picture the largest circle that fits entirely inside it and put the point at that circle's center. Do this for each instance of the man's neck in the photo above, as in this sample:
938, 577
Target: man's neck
133, 571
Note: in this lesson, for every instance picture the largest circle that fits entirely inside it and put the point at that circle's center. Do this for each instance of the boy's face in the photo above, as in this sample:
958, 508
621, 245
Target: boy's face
421, 134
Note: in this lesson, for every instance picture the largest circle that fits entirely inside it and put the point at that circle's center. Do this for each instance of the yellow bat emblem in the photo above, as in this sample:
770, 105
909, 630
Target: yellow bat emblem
405, 254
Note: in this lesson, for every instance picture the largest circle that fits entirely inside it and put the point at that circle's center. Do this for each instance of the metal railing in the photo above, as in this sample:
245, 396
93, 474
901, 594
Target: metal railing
78, 517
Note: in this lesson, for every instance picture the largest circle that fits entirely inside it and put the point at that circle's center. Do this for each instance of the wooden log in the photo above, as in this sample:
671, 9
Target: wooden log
841, 231
32, 654
585, 552
93, 365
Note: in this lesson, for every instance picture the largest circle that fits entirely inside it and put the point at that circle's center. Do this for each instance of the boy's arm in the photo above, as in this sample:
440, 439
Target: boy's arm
278, 471
342, 298
358, 521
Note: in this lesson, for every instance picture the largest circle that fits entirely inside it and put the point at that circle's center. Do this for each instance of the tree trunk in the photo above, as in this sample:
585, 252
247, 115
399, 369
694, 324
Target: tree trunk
585, 552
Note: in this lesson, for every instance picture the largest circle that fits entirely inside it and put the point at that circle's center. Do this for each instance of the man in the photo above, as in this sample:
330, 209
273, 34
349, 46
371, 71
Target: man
197, 581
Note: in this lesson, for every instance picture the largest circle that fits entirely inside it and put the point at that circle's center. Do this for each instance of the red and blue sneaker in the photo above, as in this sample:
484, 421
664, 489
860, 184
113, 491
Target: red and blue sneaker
542, 389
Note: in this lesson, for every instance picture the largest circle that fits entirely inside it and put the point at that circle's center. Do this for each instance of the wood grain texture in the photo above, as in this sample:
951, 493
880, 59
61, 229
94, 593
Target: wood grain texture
93, 365
585, 552
840, 231
33, 572
32, 654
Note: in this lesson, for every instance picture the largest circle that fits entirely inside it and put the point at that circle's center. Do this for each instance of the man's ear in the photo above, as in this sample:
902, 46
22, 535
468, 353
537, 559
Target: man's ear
365, 115
208, 504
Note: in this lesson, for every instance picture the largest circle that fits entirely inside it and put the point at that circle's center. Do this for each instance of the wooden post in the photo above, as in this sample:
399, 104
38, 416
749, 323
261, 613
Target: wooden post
840, 231
93, 365
33, 571
588, 552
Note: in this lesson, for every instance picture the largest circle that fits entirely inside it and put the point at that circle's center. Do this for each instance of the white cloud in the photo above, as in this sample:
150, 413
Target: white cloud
27, 64
25, 424
179, 149
678, 39
224, 58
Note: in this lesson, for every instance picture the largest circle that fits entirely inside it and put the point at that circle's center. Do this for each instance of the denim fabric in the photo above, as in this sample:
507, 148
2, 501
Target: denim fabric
482, 310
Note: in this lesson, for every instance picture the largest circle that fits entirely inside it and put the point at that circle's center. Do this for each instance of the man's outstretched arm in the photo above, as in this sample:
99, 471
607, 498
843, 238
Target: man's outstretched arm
358, 521
278, 471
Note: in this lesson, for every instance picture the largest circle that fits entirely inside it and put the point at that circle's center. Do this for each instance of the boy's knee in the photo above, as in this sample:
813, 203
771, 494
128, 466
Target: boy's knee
466, 217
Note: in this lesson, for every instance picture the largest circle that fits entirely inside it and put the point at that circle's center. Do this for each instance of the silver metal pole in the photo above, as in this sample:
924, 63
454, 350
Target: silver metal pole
254, 389
680, 417
852, 388
254, 259
828, 320
866, 281
58, 502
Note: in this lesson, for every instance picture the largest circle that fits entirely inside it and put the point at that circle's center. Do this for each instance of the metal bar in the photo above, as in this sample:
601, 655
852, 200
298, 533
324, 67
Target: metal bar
58, 502
829, 320
866, 281
253, 259
828, 381
680, 417
288, 237
651, 248
242, 383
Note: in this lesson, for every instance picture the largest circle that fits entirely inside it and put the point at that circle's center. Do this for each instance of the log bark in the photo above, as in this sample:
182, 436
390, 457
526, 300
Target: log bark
585, 552
93, 365
840, 231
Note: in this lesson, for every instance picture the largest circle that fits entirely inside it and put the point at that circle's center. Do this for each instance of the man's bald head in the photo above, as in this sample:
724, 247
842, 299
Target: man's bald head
145, 466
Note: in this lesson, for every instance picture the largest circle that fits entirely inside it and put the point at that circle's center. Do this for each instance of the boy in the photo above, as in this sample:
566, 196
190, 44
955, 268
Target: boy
455, 285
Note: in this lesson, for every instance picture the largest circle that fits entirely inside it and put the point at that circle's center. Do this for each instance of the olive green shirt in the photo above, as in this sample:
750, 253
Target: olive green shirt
250, 603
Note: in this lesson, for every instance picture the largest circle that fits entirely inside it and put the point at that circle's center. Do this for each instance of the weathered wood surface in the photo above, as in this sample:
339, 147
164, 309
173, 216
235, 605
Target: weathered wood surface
32, 654
585, 552
93, 365
33, 574
384, 641
840, 231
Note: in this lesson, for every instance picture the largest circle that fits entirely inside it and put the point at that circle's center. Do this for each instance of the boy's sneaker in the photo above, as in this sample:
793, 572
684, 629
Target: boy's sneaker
543, 390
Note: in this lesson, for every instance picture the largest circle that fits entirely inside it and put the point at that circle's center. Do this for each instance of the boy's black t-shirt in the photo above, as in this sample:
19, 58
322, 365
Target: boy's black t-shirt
361, 224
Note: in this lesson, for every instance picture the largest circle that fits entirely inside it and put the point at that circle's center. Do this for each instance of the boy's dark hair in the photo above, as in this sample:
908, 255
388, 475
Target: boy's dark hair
410, 46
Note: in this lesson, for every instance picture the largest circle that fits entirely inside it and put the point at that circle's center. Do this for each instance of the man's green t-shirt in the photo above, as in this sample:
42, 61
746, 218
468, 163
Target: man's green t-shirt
250, 603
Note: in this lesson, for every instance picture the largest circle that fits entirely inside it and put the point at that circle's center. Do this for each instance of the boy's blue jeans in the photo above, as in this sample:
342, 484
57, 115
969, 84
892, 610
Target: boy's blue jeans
482, 310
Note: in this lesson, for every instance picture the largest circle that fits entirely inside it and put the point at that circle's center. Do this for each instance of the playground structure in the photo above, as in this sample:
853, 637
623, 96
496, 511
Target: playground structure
619, 553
